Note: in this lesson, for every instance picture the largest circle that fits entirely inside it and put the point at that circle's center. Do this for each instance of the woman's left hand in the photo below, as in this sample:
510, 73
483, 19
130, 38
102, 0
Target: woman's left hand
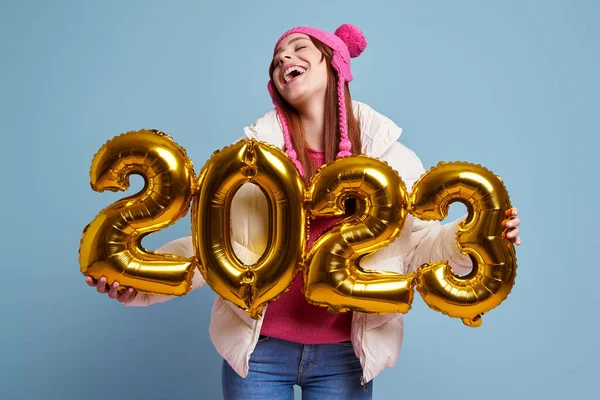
511, 232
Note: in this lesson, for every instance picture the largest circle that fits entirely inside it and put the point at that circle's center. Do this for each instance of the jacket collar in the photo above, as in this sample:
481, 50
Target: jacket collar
377, 132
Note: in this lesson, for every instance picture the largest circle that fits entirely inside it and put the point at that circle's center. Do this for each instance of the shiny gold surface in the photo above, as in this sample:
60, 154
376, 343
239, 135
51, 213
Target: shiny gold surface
479, 236
111, 244
249, 287
333, 276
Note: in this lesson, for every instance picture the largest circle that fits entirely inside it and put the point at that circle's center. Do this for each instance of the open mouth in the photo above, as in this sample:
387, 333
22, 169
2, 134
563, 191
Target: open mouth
293, 72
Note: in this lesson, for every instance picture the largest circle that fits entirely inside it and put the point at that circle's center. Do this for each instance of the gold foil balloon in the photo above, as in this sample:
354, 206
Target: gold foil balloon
333, 276
111, 244
249, 286
479, 236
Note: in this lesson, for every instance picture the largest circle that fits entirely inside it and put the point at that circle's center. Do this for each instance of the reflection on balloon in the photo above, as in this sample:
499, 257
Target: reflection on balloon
479, 236
333, 276
249, 287
111, 244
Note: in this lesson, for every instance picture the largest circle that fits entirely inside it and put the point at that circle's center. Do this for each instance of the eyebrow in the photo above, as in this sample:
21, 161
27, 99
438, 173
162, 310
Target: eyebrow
279, 50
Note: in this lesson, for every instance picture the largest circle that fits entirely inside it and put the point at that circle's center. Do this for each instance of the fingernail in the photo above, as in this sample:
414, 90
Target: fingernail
129, 290
115, 284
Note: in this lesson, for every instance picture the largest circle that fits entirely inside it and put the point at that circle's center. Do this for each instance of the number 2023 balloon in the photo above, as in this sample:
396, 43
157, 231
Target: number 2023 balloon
333, 277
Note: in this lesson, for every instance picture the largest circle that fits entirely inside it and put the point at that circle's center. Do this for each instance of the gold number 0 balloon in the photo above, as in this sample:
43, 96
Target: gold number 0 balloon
480, 236
249, 286
111, 244
333, 276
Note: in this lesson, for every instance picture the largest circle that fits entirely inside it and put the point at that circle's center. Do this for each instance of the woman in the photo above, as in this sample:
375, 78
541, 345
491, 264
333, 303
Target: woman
315, 121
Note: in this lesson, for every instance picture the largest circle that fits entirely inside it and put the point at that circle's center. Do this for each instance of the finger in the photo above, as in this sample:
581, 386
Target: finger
133, 294
90, 281
102, 287
512, 223
512, 212
126, 295
112, 293
513, 233
518, 241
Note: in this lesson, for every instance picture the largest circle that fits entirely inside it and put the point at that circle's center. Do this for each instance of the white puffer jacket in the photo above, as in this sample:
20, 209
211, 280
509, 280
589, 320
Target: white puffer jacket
376, 338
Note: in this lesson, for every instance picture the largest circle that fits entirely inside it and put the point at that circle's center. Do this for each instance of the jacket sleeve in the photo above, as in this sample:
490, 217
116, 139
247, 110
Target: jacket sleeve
428, 240
181, 247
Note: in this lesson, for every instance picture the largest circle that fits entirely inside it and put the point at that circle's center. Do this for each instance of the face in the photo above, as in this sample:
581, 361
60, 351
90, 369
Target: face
300, 73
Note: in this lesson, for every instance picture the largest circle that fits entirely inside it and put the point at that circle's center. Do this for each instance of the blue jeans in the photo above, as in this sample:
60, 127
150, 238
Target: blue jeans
323, 371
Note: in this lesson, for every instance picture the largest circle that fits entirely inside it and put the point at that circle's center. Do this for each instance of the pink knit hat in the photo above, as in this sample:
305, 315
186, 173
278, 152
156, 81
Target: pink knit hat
347, 41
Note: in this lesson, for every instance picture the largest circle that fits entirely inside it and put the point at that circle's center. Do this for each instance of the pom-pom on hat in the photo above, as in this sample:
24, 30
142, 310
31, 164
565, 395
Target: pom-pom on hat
346, 42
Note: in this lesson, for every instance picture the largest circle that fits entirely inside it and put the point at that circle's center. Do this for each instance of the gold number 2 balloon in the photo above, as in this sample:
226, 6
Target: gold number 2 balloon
333, 276
479, 236
249, 286
111, 244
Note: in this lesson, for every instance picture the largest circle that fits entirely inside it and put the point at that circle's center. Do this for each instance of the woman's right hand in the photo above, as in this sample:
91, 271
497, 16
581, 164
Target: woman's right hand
125, 295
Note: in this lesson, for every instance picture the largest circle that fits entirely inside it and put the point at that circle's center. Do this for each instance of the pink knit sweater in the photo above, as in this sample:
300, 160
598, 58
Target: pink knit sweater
292, 317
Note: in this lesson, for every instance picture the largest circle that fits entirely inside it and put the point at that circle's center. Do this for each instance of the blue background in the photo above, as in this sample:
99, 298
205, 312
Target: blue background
512, 85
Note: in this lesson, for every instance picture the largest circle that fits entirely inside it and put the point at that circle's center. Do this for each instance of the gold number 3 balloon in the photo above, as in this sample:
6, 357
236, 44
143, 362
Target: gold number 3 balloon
479, 236
111, 244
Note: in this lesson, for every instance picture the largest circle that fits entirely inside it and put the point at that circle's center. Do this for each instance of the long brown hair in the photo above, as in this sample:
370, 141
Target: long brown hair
331, 130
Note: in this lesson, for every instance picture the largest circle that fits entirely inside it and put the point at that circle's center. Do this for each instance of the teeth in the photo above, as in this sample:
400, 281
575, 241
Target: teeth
286, 74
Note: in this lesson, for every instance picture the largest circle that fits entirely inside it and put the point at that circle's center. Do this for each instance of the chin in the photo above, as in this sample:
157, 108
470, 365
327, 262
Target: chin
300, 96
295, 98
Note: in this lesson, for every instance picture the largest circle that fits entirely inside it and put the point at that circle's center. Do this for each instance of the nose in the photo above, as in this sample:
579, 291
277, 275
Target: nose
283, 56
